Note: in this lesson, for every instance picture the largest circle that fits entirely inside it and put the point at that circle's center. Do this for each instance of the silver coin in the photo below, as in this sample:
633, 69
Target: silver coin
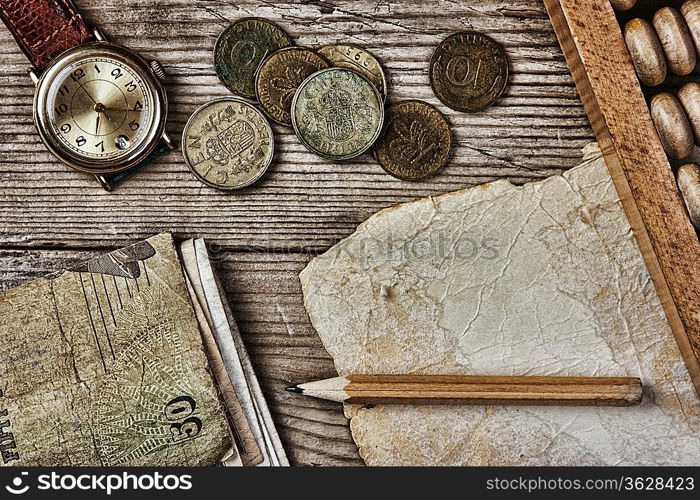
337, 113
228, 144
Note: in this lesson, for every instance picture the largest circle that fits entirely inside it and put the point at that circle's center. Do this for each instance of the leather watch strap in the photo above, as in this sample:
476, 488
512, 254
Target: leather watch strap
44, 28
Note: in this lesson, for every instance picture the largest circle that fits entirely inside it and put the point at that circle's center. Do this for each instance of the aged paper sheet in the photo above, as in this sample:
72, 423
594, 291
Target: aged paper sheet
540, 279
104, 365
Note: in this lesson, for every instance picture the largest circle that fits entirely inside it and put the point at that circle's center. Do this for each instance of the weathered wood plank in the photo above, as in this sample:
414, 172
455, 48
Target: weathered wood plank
536, 130
265, 294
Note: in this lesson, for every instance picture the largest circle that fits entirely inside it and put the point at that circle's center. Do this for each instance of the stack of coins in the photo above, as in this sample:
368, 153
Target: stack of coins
228, 143
664, 50
334, 99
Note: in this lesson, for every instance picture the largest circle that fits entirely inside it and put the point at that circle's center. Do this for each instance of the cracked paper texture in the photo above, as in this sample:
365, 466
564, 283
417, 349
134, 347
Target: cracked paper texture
541, 279
104, 365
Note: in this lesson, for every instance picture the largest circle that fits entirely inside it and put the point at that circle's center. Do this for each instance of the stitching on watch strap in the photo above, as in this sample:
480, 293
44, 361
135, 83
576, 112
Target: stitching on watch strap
30, 18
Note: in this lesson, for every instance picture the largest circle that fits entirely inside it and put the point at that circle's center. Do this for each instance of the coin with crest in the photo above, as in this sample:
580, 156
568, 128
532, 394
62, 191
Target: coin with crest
358, 59
228, 144
469, 71
279, 78
337, 113
415, 142
241, 48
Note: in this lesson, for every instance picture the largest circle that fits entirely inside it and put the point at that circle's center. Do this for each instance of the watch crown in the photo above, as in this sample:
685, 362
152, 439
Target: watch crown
158, 69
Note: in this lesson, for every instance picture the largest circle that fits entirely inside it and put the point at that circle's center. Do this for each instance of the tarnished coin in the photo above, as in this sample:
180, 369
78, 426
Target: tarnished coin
358, 59
228, 144
469, 71
279, 78
337, 113
416, 141
241, 48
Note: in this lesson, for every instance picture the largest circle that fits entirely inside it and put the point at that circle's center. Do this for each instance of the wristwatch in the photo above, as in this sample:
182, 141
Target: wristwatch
99, 107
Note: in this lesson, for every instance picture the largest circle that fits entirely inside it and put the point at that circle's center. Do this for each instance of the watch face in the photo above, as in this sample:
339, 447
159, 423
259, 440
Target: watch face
99, 110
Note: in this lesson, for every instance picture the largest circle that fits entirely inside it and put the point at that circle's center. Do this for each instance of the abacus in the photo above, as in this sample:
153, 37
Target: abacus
636, 67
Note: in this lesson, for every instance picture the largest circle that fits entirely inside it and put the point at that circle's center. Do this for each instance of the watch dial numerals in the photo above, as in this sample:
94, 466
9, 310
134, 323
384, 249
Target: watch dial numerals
100, 108
78, 74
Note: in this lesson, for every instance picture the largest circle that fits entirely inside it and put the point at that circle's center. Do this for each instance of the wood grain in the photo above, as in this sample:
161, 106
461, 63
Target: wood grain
51, 216
605, 76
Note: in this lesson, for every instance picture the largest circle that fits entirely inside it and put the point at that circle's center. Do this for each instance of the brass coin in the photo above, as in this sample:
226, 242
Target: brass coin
279, 78
228, 144
241, 48
416, 141
469, 71
337, 113
358, 59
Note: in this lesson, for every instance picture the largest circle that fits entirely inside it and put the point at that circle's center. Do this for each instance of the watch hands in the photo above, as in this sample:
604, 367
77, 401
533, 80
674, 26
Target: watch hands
80, 86
118, 110
100, 109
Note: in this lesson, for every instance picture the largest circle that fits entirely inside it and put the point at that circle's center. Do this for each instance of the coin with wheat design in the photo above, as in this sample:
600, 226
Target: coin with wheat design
469, 71
228, 144
337, 113
358, 59
415, 142
241, 48
279, 78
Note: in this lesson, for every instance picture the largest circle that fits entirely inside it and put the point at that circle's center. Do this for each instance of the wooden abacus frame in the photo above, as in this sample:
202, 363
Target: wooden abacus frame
595, 50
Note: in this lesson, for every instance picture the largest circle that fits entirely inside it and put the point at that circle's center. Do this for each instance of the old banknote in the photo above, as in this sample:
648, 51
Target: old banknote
105, 365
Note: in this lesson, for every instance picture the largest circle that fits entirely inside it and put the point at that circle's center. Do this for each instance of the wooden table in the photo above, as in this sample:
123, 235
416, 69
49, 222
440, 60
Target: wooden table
52, 217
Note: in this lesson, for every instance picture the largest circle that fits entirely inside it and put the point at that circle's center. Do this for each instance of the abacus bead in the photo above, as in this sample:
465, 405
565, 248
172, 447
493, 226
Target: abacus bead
689, 186
646, 51
676, 41
691, 13
689, 96
623, 4
672, 125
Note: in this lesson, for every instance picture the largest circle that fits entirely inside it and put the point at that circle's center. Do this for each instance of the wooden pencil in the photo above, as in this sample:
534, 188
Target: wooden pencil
476, 390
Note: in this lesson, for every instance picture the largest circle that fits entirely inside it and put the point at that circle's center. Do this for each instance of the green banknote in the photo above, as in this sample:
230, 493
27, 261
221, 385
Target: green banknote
105, 365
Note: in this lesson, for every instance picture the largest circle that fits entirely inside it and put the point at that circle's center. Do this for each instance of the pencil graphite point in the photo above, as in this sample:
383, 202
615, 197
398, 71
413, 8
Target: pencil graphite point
294, 388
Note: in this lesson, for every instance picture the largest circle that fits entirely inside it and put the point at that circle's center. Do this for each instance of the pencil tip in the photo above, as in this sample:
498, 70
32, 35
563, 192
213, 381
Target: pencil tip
294, 388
